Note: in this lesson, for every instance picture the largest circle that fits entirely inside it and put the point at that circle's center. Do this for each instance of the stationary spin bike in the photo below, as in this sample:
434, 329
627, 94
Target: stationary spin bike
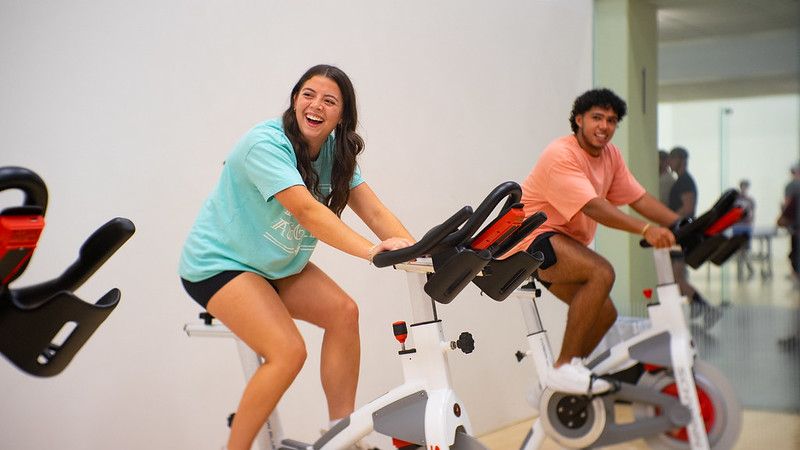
44, 325
423, 412
678, 401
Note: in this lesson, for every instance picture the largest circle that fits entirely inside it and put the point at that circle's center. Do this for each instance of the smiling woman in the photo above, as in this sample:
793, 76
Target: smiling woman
319, 111
323, 102
246, 260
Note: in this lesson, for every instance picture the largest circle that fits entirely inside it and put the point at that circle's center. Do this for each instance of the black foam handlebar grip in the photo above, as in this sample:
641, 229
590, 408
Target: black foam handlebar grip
433, 237
28, 182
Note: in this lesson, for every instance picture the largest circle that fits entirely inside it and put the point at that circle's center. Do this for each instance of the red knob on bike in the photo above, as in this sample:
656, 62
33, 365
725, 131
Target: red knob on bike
400, 331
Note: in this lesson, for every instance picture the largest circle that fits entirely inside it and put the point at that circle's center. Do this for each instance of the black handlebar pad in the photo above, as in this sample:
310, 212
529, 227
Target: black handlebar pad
509, 190
424, 246
687, 231
33, 319
456, 262
701, 239
94, 252
697, 226
28, 182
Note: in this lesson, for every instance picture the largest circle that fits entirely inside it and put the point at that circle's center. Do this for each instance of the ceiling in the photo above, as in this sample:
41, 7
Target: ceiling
727, 48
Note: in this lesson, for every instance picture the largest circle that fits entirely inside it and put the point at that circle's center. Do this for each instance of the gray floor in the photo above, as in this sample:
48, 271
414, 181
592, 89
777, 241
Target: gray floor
759, 311
744, 346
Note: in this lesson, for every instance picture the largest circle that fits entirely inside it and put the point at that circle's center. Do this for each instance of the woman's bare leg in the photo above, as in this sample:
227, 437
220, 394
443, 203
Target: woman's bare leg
314, 297
249, 306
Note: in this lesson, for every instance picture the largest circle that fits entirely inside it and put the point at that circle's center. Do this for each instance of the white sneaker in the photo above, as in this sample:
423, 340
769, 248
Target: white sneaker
575, 378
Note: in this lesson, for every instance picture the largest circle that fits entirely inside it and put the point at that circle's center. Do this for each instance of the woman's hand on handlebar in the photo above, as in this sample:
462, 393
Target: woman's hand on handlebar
391, 244
659, 237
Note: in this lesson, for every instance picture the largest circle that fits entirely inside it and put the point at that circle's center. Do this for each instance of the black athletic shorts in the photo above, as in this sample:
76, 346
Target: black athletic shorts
202, 291
542, 244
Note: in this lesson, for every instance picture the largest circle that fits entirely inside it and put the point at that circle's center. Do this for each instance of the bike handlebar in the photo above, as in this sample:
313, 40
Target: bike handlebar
430, 240
459, 255
688, 230
94, 252
509, 190
447, 235
28, 182
702, 239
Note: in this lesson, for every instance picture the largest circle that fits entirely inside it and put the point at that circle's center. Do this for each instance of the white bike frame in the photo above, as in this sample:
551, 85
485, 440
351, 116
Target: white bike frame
424, 410
666, 318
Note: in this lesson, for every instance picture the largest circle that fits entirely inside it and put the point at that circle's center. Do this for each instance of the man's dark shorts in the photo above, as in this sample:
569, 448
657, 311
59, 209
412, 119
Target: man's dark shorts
542, 244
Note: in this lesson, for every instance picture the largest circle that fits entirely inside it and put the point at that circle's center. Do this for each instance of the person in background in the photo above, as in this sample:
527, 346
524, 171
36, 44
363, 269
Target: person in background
789, 215
683, 200
665, 177
283, 187
745, 227
789, 220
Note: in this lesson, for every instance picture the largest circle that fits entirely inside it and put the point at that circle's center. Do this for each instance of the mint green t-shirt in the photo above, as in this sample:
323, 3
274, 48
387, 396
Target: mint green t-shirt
240, 225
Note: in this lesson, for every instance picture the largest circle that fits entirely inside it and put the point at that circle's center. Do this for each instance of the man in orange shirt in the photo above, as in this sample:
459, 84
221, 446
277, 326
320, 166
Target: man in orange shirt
579, 181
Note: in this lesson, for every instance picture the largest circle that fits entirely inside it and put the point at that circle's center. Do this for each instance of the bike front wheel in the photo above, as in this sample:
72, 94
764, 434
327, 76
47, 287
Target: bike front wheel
719, 405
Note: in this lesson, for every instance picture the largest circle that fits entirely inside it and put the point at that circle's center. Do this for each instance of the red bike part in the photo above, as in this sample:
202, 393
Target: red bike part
500, 229
706, 410
727, 219
18, 238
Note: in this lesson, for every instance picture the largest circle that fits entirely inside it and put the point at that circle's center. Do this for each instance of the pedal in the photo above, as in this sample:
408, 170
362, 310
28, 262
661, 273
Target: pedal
571, 410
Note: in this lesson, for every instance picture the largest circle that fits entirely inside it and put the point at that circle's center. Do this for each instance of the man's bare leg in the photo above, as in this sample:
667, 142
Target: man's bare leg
582, 279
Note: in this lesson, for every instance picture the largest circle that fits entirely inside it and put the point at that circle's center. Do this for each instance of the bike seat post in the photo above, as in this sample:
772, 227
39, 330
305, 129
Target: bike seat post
537, 335
530, 313
271, 433
423, 308
429, 359
663, 264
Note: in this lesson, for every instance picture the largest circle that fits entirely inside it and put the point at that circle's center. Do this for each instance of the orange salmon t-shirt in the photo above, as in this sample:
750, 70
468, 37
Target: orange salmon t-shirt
565, 178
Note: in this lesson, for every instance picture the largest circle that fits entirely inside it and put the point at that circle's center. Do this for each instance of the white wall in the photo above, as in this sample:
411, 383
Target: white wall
129, 108
760, 136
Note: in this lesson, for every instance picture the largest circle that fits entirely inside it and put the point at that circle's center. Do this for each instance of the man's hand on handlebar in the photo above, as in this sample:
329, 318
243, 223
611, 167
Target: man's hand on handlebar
659, 237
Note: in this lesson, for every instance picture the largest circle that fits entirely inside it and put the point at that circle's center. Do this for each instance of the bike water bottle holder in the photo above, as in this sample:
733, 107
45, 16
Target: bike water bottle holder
43, 326
460, 253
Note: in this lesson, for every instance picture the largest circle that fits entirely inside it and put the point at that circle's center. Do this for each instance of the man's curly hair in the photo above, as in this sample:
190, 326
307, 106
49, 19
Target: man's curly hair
604, 98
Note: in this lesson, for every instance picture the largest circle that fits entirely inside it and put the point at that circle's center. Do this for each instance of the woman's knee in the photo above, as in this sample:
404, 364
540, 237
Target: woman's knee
345, 313
290, 355
294, 355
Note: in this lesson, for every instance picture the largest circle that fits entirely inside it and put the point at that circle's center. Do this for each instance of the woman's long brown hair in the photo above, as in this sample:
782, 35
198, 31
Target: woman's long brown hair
348, 143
